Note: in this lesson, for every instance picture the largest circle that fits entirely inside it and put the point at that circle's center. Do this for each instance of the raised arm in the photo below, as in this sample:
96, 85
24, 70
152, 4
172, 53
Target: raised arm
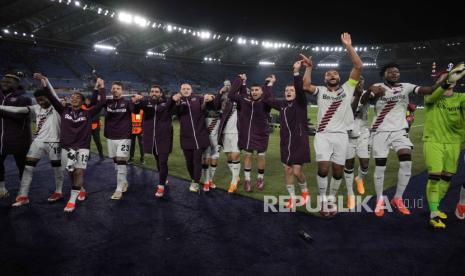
356, 61
445, 82
101, 96
236, 93
15, 109
300, 96
53, 100
307, 79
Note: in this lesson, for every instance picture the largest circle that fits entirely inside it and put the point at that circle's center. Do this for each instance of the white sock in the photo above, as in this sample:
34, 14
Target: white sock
303, 187
349, 178
2, 187
121, 177
74, 195
462, 196
236, 168
26, 180
212, 172
204, 174
322, 186
58, 172
247, 174
379, 180
291, 190
333, 188
260, 175
361, 173
403, 176
231, 170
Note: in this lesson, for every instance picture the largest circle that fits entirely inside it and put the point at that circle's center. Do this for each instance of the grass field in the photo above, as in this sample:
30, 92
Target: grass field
274, 176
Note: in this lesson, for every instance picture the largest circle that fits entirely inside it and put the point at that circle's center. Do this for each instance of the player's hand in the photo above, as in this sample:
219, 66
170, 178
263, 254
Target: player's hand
378, 91
38, 76
208, 98
307, 61
99, 84
271, 79
456, 73
223, 90
243, 77
177, 97
297, 65
346, 40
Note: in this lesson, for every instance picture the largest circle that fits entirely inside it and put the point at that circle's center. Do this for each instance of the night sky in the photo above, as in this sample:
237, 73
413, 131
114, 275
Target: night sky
310, 21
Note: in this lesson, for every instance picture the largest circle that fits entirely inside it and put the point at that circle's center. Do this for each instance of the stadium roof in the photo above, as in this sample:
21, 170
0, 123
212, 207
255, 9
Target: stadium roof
91, 25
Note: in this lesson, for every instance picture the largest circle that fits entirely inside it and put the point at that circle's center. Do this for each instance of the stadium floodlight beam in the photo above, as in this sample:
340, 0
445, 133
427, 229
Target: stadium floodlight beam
140, 21
6, 31
265, 63
125, 17
169, 28
205, 35
77, 3
104, 47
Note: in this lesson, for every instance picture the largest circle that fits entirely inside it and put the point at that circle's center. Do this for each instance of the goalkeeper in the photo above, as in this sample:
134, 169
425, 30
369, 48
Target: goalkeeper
442, 136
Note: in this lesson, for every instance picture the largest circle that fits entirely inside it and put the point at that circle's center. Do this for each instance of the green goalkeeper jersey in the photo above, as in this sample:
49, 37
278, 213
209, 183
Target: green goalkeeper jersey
444, 119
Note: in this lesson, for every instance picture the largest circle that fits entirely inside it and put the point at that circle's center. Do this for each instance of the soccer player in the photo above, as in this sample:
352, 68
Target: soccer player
46, 141
254, 129
193, 133
359, 137
118, 129
335, 119
294, 145
212, 153
443, 134
158, 131
15, 130
95, 128
75, 135
389, 130
137, 134
228, 132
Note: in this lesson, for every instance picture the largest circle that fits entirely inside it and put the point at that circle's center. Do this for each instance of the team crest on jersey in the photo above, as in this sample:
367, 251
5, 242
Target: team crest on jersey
163, 104
194, 99
13, 100
122, 105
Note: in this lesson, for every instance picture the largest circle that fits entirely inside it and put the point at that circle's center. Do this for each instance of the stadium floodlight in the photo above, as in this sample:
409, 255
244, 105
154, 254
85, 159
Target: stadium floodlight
169, 28
365, 49
99, 11
241, 41
104, 47
219, 36
59, 1
77, 3
265, 63
24, 34
140, 21
328, 64
184, 31
85, 7
205, 35
69, 1
6, 31
32, 35
125, 17
15, 33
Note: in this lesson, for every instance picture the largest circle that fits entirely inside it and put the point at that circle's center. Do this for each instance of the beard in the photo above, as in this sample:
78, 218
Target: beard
331, 84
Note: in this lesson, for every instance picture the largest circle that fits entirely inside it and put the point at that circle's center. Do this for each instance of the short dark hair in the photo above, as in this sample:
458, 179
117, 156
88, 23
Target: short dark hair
387, 66
157, 86
119, 83
255, 85
39, 92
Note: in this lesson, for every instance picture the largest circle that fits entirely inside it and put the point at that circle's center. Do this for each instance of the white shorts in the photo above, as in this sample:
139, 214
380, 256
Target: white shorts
230, 141
82, 156
359, 146
382, 141
119, 148
39, 148
213, 151
331, 146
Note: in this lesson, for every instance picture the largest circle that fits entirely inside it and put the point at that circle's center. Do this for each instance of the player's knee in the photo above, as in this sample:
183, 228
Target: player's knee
349, 163
337, 176
434, 177
381, 162
322, 172
405, 157
446, 177
55, 163
31, 163
205, 166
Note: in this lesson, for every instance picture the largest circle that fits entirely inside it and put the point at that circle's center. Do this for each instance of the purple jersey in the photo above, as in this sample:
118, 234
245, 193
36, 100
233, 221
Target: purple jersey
15, 129
294, 145
76, 125
118, 124
253, 120
193, 133
157, 125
